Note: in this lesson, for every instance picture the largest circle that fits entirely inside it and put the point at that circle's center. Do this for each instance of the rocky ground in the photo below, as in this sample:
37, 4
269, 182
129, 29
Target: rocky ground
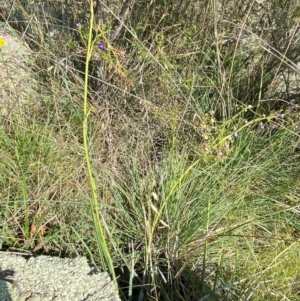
47, 278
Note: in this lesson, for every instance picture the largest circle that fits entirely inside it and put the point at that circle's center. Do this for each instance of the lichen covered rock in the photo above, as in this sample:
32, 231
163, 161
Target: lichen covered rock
17, 83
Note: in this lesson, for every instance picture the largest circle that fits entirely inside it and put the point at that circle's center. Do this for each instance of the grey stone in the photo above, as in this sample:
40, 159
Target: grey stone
17, 83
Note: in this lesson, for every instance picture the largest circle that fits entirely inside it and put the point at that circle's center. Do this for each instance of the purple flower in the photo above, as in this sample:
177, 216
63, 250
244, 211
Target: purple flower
226, 145
102, 46
281, 116
272, 126
293, 108
235, 134
246, 121
261, 125
78, 24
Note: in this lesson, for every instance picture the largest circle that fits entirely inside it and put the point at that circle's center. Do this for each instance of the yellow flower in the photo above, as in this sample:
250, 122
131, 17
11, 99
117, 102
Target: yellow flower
2, 42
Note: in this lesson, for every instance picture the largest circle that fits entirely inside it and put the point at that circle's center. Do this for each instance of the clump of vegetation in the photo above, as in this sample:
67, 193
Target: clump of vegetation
193, 137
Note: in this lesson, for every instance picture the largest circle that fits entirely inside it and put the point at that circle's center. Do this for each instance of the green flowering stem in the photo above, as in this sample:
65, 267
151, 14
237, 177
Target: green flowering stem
94, 202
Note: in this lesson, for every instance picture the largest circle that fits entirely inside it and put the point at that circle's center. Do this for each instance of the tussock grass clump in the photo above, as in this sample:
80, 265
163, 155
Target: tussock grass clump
192, 123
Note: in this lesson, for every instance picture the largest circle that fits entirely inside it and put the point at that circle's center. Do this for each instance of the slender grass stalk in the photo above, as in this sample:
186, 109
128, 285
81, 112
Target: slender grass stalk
177, 183
26, 207
205, 247
131, 273
99, 229
152, 226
